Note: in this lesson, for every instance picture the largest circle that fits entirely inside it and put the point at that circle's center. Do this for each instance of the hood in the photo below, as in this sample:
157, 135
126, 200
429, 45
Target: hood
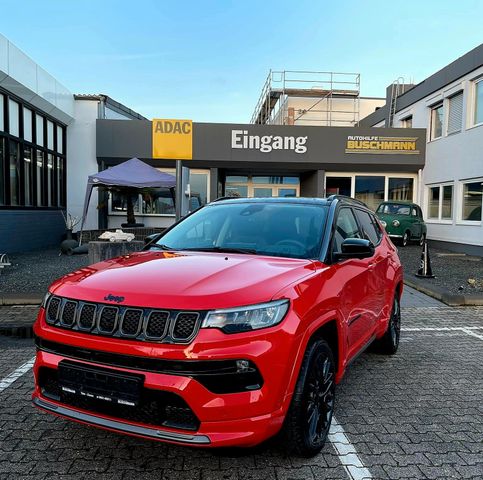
184, 280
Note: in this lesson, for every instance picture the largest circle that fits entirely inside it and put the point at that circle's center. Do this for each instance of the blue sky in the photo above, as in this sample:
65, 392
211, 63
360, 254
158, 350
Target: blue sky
207, 60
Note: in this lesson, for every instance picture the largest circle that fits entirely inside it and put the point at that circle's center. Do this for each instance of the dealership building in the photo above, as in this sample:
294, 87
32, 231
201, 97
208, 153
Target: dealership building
310, 136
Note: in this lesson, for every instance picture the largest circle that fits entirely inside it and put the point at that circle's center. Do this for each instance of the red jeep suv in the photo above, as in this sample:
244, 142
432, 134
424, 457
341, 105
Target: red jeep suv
231, 326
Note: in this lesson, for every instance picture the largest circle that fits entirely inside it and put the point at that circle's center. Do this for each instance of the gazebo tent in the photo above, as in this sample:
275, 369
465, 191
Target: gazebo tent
131, 173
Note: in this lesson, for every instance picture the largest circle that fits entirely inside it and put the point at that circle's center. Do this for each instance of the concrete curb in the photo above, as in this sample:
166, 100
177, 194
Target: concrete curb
21, 299
444, 296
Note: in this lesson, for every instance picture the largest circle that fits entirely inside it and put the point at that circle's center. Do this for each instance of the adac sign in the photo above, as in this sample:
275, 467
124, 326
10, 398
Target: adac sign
172, 139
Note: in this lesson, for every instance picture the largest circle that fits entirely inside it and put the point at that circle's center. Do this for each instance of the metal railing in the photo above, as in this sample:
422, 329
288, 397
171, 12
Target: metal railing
280, 85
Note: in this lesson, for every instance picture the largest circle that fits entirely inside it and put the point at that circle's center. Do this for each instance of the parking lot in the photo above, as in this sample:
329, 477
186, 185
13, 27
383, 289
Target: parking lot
416, 415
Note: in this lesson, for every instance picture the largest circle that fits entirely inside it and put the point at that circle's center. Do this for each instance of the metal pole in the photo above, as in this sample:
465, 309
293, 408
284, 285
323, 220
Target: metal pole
179, 189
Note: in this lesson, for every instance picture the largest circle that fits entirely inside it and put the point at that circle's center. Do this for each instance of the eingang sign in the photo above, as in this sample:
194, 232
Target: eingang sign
266, 143
172, 139
385, 145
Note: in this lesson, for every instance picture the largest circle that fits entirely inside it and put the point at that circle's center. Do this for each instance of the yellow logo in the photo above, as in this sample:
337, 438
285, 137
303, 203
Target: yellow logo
172, 139
375, 144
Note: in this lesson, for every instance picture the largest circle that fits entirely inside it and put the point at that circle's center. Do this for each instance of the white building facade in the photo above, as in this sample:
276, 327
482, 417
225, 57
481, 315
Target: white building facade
449, 105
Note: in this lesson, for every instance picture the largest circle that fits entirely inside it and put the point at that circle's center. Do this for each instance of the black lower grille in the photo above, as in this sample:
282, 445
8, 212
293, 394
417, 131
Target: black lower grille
156, 408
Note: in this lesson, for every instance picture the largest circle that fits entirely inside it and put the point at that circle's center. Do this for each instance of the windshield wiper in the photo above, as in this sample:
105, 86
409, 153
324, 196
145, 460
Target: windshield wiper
161, 246
224, 250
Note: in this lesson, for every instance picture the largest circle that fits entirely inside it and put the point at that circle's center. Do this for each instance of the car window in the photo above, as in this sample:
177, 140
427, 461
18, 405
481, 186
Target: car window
276, 229
394, 209
414, 212
370, 228
345, 227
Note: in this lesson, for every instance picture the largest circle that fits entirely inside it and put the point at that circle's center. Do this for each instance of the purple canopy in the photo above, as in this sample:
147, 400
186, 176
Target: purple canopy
132, 173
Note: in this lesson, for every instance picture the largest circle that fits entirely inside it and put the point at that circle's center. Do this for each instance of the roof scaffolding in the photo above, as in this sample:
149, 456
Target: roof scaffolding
323, 88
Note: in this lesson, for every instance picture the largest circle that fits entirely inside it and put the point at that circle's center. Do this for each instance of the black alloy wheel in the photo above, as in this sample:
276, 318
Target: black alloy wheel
389, 343
308, 421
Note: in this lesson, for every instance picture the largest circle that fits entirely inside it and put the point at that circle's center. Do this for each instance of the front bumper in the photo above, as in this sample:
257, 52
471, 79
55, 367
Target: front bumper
231, 419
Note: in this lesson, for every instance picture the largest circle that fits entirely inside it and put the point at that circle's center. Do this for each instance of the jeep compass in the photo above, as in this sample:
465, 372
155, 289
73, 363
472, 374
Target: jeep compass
232, 326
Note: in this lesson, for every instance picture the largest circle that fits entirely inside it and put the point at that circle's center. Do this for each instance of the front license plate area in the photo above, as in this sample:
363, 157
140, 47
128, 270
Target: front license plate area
100, 384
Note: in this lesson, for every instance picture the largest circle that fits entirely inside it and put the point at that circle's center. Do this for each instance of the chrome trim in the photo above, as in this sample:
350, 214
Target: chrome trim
196, 328
166, 326
98, 323
140, 324
122, 427
394, 235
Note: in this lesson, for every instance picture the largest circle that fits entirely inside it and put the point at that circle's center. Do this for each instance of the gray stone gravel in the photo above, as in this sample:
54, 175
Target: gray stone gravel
452, 272
34, 271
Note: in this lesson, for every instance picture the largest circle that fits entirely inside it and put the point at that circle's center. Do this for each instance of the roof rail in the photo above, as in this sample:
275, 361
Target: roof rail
219, 199
331, 198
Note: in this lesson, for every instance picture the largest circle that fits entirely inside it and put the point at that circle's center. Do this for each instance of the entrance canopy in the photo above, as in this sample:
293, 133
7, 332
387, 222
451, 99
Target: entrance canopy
133, 173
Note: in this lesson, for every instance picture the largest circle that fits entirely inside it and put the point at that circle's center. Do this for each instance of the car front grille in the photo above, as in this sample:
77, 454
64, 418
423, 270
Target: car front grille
166, 326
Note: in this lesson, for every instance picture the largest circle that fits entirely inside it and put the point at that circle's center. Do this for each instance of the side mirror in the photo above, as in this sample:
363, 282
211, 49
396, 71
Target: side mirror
151, 238
356, 248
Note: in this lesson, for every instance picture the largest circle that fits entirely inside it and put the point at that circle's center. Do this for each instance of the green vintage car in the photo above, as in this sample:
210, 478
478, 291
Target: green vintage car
403, 221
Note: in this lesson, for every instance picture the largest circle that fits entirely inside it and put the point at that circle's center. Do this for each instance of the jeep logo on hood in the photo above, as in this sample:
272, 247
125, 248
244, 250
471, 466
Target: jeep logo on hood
113, 298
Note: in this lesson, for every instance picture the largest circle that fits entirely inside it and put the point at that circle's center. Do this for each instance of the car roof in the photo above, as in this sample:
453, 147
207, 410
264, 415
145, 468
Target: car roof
291, 200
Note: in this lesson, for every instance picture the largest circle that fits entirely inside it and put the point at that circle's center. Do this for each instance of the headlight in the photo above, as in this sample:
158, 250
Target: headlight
396, 223
243, 319
383, 223
45, 300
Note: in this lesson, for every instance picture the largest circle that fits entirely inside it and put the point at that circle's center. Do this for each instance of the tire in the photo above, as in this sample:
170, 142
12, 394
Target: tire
405, 239
310, 414
422, 239
389, 343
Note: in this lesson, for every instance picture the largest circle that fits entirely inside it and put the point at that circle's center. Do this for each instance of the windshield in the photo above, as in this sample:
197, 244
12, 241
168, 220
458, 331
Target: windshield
394, 208
284, 230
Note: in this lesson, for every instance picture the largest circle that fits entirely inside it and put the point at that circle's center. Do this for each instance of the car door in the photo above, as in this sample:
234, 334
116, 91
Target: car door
416, 227
355, 289
379, 262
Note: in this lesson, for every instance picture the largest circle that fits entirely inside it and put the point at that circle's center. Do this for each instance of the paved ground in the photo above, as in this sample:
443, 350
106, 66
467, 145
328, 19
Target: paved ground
416, 415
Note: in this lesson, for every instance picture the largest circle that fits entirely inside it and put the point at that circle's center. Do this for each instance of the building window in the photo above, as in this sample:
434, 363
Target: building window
455, 113
370, 190
39, 128
440, 205
478, 118
2, 127
50, 135
436, 121
50, 180
13, 118
27, 125
472, 201
407, 122
39, 167
2, 170
60, 139
28, 175
400, 189
262, 186
14, 173
433, 210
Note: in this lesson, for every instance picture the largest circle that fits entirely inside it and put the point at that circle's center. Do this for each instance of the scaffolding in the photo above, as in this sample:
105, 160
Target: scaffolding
322, 88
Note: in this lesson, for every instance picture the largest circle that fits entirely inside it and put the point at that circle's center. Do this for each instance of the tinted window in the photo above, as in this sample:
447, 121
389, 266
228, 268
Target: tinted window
284, 230
394, 209
345, 227
370, 228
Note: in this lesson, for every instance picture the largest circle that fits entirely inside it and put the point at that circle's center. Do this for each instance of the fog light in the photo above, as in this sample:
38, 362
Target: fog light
242, 366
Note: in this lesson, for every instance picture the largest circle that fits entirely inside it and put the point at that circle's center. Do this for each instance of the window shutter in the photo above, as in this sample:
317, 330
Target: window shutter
455, 116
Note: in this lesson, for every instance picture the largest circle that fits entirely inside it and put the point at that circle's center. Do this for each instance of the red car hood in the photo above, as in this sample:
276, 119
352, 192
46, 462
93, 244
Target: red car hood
184, 280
